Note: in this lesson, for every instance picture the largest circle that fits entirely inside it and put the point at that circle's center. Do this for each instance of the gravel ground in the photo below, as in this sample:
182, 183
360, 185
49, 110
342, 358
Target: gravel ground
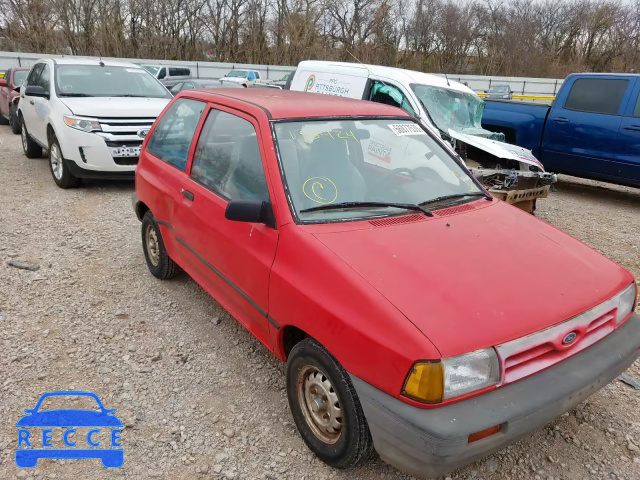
199, 396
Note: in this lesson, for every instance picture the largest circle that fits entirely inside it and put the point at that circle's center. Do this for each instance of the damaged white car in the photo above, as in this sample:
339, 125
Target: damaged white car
449, 108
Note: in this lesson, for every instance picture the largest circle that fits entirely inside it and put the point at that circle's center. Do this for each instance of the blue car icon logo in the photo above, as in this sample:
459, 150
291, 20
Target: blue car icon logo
103, 429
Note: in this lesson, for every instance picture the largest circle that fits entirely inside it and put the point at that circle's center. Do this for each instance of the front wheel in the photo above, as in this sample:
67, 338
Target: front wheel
325, 406
59, 169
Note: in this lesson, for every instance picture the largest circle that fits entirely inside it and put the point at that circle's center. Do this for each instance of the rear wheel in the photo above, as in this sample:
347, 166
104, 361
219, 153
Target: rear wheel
158, 260
13, 120
59, 169
31, 149
325, 406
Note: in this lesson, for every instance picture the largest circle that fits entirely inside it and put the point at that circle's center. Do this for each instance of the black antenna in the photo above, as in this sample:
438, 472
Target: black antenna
447, 78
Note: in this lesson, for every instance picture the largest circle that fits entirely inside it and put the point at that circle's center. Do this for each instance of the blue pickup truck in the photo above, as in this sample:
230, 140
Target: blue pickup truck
591, 130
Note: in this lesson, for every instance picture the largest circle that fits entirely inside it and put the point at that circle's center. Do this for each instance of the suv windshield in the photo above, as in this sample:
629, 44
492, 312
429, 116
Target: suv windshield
19, 76
237, 73
375, 161
454, 110
107, 81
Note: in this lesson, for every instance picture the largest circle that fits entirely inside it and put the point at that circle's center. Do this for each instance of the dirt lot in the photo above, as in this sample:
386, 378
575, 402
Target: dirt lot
200, 397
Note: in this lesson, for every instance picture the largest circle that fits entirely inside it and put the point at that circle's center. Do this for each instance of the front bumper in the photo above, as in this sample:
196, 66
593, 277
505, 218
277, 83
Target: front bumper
431, 442
90, 153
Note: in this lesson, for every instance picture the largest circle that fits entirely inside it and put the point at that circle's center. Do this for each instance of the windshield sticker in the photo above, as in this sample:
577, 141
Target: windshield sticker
310, 137
320, 190
379, 151
402, 129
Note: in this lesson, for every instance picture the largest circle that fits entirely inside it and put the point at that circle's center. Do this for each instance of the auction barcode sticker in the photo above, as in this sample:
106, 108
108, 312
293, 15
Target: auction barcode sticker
401, 129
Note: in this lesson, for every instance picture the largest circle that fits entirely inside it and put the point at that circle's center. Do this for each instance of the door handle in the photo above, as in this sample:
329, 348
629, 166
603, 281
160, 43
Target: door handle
560, 120
632, 127
31, 102
187, 194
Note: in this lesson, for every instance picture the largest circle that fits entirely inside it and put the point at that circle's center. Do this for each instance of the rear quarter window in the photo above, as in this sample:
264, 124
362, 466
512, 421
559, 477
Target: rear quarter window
596, 95
172, 137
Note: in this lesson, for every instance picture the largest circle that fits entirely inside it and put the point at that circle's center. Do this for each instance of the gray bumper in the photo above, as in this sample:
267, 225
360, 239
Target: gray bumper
431, 442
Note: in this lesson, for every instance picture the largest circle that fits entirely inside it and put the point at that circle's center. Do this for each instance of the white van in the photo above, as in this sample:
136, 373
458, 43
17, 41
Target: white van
450, 109
169, 76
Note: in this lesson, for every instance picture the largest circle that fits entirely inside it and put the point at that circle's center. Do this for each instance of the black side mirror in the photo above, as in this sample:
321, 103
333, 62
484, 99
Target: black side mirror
36, 91
251, 211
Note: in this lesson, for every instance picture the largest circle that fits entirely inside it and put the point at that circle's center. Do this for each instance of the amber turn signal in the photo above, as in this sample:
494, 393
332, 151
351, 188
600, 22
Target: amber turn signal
425, 382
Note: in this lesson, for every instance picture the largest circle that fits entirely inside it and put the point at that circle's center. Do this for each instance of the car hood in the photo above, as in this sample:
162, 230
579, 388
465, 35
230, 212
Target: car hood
479, 278
115, 107
69, 418
498, 149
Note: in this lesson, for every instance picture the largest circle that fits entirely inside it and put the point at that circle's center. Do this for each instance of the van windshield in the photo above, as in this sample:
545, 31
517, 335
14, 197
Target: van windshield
107, 81
454, 110
376, 160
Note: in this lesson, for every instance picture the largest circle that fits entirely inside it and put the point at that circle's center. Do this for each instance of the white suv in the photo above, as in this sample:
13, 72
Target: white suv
91, 116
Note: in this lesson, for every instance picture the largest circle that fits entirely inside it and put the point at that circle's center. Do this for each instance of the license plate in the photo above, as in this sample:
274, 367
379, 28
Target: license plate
125, 151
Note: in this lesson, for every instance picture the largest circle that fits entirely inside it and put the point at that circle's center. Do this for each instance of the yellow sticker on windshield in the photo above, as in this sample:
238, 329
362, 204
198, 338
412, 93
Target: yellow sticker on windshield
320, 190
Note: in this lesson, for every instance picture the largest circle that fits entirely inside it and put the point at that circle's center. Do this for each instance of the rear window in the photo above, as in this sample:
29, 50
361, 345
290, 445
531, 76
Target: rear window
596, 95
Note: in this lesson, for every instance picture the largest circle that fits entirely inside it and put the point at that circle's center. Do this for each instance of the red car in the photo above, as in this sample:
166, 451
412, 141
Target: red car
406, 301
9, 97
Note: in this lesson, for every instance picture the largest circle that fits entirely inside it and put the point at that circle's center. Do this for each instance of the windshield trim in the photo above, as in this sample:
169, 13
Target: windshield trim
285, 184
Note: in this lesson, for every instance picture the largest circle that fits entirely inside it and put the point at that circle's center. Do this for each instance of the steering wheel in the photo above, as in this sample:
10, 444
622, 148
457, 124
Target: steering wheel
385, 177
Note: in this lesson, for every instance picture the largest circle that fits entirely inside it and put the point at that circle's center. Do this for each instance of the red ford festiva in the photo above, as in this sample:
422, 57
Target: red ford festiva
358, 248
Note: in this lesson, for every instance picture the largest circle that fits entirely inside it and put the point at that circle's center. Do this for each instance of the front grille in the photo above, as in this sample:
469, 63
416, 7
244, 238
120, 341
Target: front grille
126, 160
525, 356
384, 222
123, 130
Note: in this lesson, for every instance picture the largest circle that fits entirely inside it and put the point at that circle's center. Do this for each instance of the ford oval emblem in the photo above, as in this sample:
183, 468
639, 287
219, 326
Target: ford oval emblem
569, 338
143, 133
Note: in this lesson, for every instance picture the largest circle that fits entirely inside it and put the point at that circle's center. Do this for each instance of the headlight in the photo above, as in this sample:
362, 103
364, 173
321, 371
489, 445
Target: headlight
433, 382
83, 123
626, 301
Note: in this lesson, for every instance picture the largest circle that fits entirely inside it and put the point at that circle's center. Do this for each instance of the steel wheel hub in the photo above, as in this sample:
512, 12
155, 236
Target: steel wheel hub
153, 247
56, 161
320, 405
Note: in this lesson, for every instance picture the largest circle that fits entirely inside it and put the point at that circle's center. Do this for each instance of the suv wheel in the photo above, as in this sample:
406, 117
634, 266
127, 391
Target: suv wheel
13, 120
325, 406
31, 149
158, 260
59, 169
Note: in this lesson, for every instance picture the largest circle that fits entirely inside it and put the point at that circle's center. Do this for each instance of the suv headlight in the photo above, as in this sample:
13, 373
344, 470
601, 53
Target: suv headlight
627, 301
435, 381
83, 123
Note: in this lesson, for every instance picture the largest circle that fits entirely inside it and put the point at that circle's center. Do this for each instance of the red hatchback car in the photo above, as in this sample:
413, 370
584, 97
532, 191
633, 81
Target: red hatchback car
357, 247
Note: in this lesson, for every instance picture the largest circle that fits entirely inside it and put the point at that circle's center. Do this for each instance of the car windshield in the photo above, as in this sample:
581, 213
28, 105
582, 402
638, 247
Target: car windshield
19, 76
450, 109
151, 69
376, 160
237, 73
500, 89
107, 81
61, 402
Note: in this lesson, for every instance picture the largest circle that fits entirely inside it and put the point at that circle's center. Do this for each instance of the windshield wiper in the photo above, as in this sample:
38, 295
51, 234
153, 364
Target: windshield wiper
458, 195
130, 95
337, 206
75, 95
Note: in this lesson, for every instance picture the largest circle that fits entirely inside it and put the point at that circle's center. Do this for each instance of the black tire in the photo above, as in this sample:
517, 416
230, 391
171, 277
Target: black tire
13, 120
307, 359
58, 166
158, 260
31, 149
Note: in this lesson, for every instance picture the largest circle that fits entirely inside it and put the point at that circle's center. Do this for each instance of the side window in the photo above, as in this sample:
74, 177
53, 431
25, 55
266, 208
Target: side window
389, 95
44, 80
184, 71
34, 74
596, 95
174, 72
172, 137
636, 110
162, 73
227, 159
176, 88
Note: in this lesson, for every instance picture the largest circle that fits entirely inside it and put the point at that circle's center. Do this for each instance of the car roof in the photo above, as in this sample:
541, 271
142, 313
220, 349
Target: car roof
90, 61
280, 104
